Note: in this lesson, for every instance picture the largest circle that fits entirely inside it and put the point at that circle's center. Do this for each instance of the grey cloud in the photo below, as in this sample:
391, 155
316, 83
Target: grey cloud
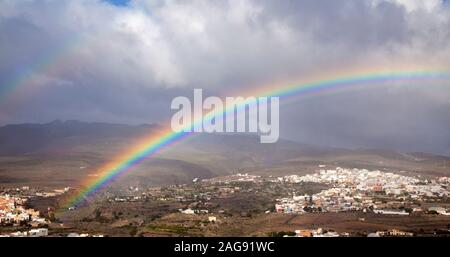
124, 64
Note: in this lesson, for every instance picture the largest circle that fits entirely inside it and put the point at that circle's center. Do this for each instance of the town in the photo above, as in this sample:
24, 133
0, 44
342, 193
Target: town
14, 212
363, 190
221, 206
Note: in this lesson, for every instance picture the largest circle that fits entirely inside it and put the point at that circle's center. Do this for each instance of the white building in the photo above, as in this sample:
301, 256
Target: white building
40, 232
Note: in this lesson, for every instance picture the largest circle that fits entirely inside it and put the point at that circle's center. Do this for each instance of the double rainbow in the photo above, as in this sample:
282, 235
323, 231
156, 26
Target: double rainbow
164, 138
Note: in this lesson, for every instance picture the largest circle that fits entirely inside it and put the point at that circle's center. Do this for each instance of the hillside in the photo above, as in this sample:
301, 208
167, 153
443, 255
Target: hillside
69, 152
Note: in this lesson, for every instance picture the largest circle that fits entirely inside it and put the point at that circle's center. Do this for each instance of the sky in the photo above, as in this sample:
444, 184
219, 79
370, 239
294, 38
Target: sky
124, 61
119, 2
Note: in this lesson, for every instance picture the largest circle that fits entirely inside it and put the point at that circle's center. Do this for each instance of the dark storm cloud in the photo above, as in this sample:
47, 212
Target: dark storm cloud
124, 63
409, 120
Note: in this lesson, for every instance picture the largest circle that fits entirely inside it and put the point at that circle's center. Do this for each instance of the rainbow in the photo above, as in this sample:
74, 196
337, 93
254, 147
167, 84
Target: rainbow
49, 63
163, 138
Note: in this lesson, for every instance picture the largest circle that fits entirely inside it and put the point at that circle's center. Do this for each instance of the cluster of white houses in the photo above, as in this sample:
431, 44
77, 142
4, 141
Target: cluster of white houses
38, 232
363, 190
320, 232
12, 211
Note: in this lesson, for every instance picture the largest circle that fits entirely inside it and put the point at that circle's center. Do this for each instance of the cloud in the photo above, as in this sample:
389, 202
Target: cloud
416, 5
93, 60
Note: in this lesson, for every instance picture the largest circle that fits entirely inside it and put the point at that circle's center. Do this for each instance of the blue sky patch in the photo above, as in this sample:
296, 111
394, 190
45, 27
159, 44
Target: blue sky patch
118, 2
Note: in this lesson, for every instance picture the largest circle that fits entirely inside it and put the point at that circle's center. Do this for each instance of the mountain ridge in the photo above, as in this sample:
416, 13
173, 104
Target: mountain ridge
71, 150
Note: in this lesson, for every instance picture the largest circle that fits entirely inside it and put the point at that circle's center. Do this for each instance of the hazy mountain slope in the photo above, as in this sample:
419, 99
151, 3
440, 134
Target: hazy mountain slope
65, 153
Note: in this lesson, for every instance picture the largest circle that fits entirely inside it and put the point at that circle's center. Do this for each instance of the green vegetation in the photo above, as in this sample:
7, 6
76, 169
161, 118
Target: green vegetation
281, 234
176, 229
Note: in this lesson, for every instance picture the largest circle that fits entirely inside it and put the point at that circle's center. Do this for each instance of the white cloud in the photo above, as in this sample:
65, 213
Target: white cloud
416, 5
204, 43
